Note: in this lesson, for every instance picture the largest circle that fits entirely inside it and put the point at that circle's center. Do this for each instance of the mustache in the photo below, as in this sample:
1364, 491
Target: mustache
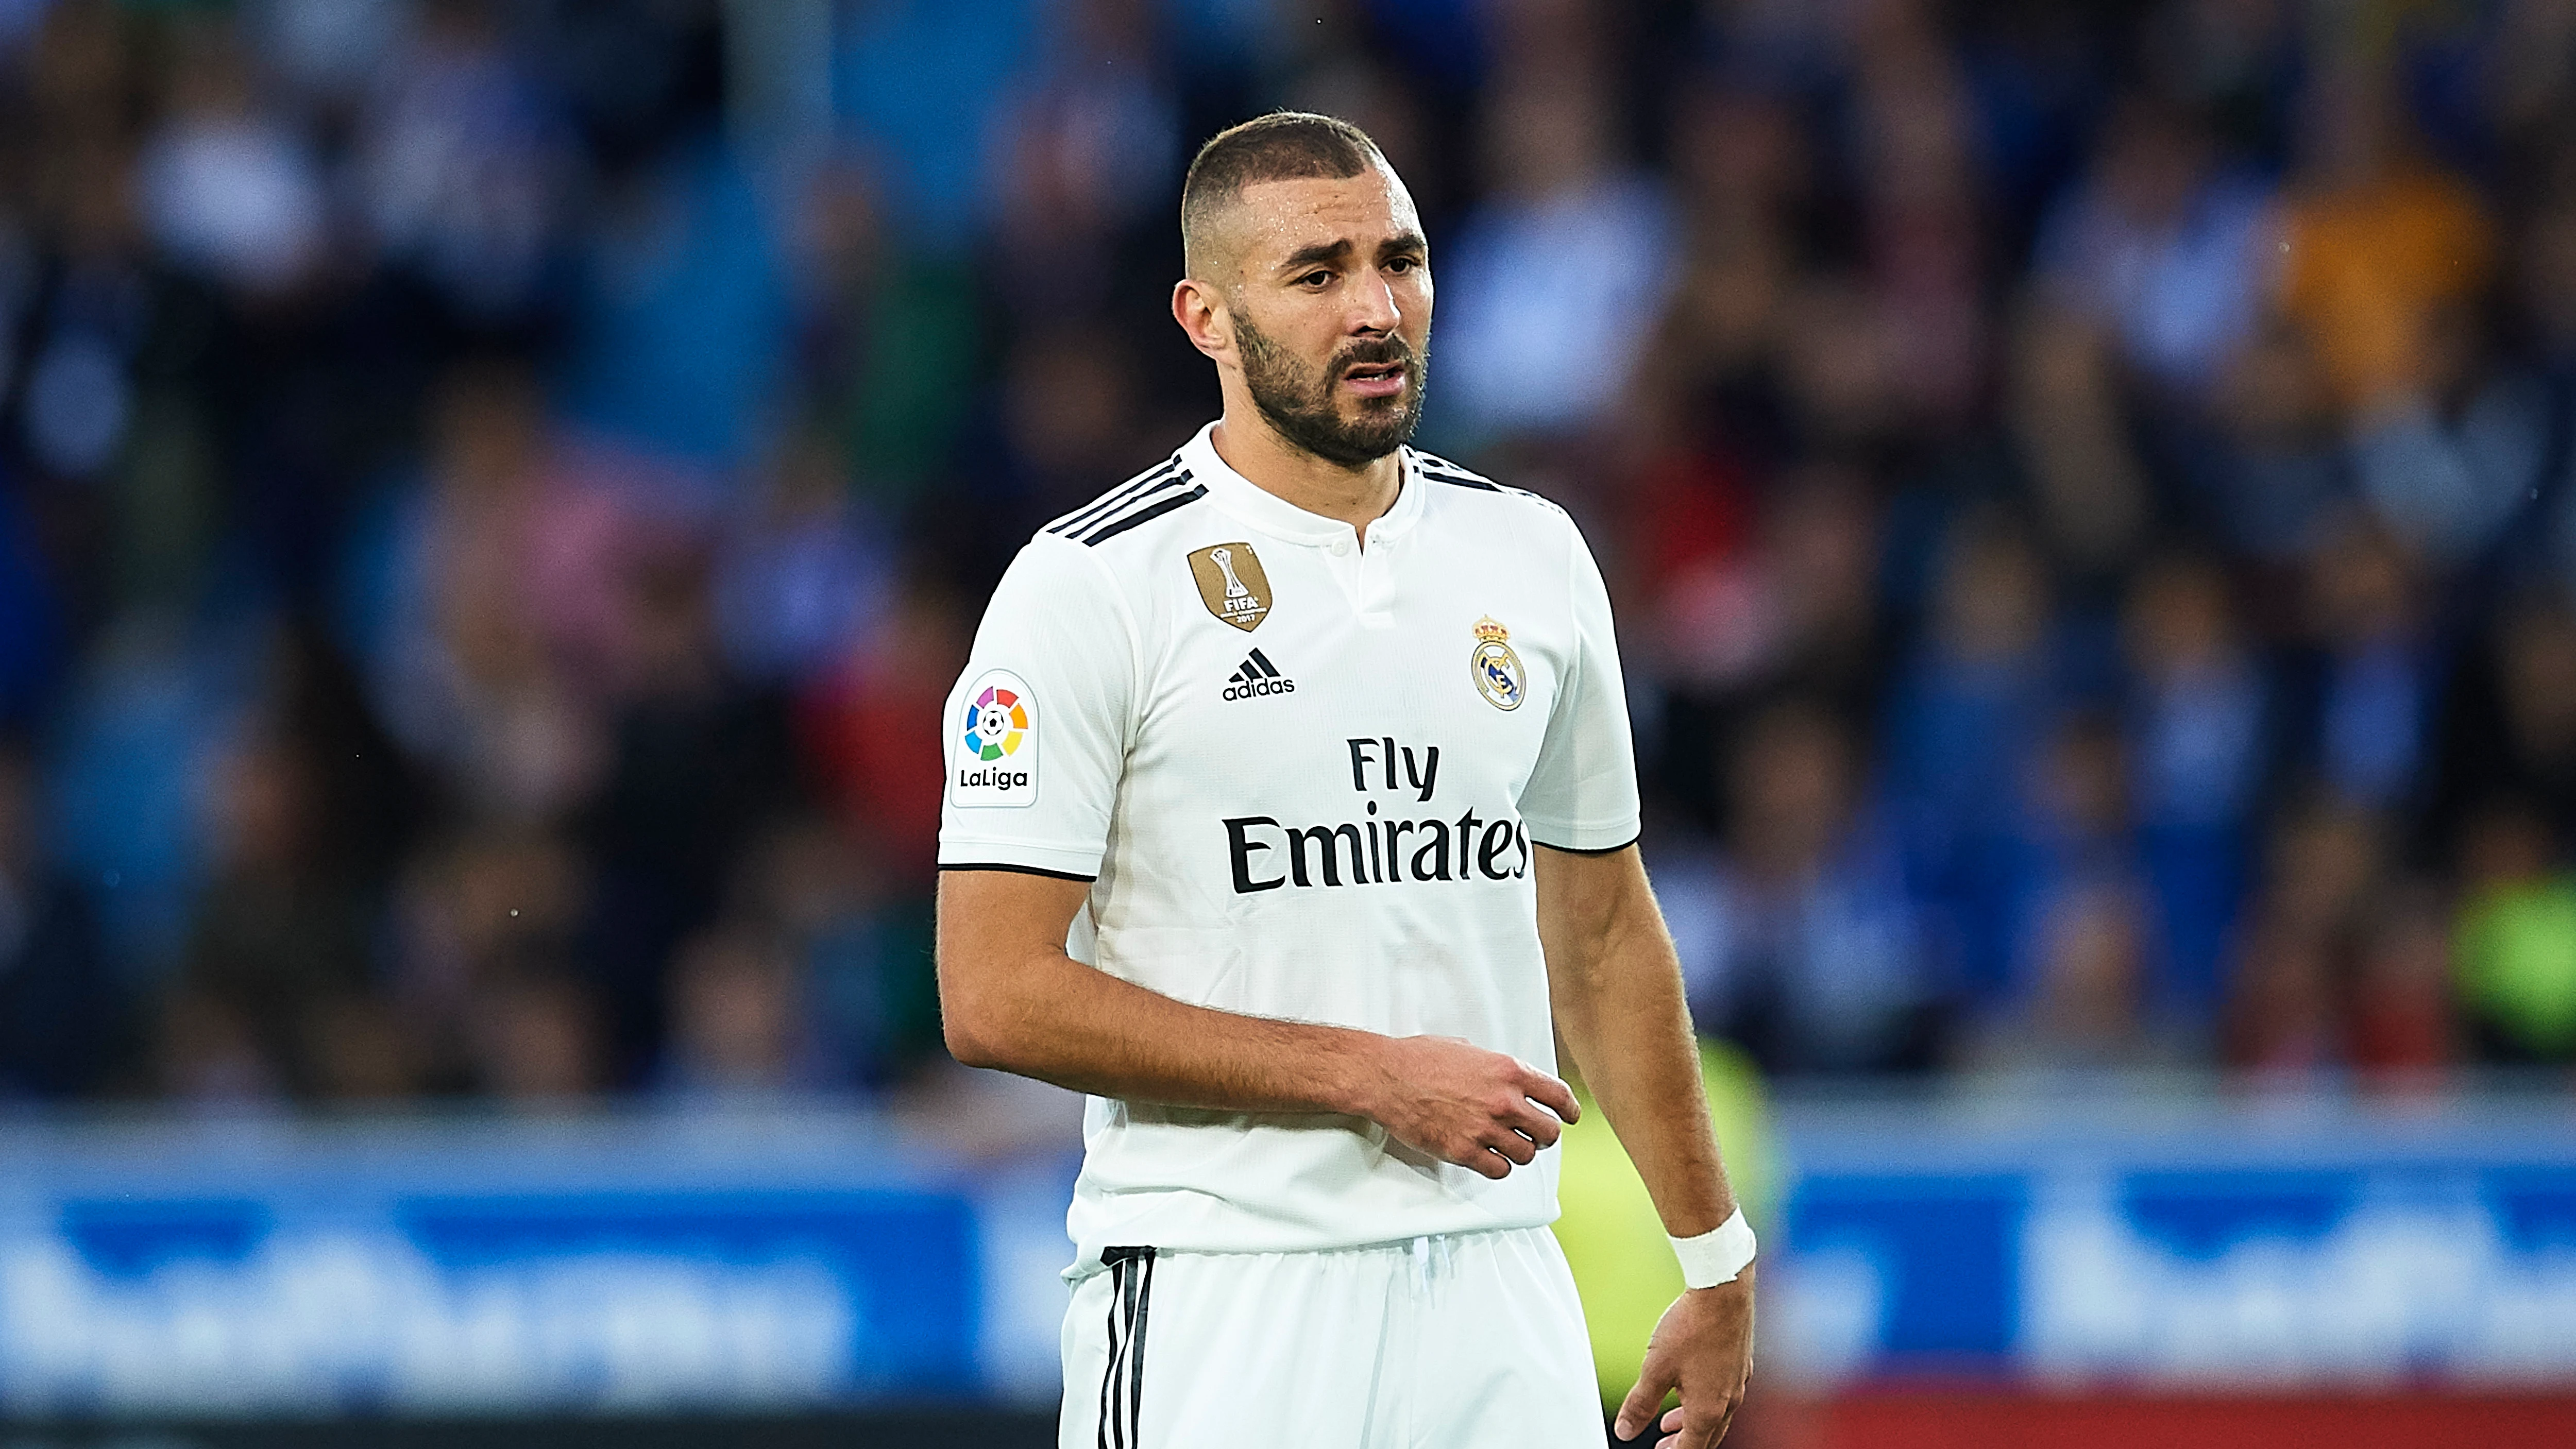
1373, 354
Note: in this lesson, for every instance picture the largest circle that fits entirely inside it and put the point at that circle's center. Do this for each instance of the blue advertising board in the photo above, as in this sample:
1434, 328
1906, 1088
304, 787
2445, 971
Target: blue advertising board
635, 1264
818, 1258
2164, 1240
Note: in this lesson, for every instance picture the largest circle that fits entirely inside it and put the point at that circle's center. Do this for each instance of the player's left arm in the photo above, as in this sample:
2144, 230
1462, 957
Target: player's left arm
1616, 986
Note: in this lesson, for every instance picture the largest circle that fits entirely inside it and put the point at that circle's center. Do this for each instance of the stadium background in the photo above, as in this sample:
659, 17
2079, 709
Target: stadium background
492, 497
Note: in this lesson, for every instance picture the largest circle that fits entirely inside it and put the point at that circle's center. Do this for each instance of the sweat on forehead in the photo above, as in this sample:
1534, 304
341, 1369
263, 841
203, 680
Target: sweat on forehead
1281, 146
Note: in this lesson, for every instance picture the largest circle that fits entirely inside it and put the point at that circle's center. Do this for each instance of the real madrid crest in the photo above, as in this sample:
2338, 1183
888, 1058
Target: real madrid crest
1496, 667
1232, 584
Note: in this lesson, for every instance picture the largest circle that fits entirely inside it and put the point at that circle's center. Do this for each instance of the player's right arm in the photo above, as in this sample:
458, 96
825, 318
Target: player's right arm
1024, 832
1010, 998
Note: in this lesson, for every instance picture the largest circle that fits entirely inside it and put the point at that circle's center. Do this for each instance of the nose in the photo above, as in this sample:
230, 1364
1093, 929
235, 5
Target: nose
1373, 306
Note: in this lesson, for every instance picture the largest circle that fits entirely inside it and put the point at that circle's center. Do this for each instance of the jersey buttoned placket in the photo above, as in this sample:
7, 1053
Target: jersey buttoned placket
1365, 576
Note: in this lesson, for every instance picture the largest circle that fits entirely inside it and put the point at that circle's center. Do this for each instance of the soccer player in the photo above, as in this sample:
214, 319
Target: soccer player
1291, 813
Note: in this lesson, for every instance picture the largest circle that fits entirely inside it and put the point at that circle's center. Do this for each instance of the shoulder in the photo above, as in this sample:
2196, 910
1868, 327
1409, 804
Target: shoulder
1440, 470
1510, 529
1517, 521
1116, 518
1085, 560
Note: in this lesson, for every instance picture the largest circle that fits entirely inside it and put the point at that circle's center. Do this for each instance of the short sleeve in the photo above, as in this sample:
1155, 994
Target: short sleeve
1582, 795
1036, 730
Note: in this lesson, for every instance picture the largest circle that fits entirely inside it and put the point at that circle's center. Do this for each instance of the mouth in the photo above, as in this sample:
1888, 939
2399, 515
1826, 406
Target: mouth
1375, 379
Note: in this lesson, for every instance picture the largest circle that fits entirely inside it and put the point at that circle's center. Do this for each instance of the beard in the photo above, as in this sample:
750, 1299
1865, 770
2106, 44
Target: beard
1300, 405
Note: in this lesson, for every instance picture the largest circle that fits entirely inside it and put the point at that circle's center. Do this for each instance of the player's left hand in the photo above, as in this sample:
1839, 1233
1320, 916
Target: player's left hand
1703, 1347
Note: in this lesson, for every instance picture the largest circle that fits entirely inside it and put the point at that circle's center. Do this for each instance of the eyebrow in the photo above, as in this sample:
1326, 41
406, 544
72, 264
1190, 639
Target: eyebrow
1334, 251
1307, 256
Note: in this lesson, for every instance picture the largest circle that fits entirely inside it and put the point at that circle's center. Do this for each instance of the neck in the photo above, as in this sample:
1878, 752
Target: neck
1356, 496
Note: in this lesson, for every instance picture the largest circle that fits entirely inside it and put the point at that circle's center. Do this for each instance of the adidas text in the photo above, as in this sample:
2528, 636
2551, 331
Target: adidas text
1257, 677
1254, 688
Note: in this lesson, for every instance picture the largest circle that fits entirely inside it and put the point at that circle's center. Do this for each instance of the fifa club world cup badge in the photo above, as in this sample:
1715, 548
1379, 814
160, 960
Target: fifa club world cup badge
1232, 584
1496, 667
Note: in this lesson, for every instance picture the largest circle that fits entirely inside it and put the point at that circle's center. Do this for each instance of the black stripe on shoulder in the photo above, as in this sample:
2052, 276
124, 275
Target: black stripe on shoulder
1018, 870
1450, 472
1160, 482
1110, 501
1441, 469
1575, 850
1486, 484
1116, 498
1148, 514
1159, 491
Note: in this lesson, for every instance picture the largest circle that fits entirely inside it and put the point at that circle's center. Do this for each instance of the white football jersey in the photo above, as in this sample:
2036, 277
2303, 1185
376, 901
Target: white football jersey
1305, 779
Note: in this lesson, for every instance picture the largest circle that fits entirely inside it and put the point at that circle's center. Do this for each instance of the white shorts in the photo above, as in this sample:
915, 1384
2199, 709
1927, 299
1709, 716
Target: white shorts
1463, 1339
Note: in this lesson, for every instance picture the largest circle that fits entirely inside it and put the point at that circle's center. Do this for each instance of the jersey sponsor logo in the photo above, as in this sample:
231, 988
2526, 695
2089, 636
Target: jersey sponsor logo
1232, 584
1377, 849
993, 751
1266, 855
1257, 677
1496, 668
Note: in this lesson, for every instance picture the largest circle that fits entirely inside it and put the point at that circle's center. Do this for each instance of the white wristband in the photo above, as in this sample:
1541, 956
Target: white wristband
1717, 1256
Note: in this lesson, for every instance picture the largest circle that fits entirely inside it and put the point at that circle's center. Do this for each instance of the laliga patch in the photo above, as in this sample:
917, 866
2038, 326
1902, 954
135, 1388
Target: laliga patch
993, 744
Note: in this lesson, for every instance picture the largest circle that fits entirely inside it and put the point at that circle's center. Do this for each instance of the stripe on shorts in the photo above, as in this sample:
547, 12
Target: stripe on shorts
1122, 1382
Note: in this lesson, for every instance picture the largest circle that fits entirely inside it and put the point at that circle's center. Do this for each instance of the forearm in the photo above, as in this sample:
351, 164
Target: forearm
1061, 1021
1010, 998
1619, 1007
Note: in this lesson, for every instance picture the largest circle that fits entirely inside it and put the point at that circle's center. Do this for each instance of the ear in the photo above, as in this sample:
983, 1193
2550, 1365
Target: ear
1201, 311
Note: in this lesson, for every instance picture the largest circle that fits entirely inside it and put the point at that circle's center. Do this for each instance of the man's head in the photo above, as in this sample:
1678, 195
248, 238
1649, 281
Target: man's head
1309, 283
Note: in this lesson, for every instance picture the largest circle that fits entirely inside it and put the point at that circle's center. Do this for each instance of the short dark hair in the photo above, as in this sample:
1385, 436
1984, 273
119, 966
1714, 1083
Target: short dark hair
1281, 146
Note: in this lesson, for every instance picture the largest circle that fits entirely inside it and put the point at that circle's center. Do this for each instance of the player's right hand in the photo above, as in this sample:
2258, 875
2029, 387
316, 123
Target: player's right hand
1482, 1110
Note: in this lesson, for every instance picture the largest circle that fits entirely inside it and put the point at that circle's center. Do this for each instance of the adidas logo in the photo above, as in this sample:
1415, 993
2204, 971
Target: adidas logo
1257, 677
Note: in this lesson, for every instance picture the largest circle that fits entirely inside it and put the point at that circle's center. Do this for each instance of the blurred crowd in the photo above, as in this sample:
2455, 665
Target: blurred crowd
493, 495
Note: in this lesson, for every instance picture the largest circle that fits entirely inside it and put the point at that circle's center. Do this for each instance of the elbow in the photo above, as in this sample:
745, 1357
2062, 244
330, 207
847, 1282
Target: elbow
966, 1044
971, 1040
965, 1015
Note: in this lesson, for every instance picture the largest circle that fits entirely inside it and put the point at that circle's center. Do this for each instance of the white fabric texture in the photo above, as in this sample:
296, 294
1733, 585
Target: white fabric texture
1438, 1342
1337, 831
